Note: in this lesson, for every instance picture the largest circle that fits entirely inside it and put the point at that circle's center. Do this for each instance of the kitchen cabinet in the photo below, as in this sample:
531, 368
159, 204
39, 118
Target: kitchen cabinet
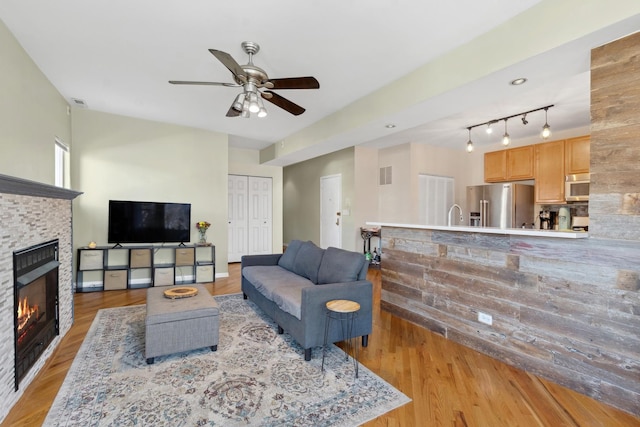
549, 172
577, 155
495, 166
520, 163
513, 164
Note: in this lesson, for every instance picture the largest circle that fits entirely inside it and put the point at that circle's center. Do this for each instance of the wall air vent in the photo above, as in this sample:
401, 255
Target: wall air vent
385, 175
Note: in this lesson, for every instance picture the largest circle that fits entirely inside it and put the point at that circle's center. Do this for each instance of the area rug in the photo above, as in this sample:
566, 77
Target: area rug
256, 378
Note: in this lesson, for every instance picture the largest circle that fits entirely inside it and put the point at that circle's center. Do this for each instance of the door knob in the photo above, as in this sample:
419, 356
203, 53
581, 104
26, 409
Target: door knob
338, 221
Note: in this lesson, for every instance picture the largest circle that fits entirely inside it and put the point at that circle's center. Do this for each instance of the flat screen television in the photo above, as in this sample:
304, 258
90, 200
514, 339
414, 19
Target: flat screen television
149, 222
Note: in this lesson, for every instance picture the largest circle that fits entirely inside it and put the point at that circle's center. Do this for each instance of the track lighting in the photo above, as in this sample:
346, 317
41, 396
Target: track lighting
546, 129
506, 139
469, 143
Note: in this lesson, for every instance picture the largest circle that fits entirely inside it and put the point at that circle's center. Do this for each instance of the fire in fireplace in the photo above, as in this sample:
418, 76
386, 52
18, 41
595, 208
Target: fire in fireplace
35, 272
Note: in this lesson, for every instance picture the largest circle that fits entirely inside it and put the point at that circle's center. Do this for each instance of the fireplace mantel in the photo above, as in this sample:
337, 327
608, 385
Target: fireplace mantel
32, 213
24, 187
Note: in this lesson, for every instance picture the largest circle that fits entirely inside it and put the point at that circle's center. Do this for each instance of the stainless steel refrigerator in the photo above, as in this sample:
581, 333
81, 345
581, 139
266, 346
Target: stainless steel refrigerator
505, 205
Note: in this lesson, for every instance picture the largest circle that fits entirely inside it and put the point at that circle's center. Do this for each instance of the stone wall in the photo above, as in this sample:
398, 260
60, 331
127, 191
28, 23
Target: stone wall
28, 220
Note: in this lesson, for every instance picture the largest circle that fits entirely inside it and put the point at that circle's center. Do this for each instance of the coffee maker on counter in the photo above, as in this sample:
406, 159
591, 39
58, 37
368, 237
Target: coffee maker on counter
547, 219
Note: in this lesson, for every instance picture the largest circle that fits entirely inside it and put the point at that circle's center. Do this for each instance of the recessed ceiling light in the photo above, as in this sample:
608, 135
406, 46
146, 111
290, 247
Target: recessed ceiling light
390, 126
518, 82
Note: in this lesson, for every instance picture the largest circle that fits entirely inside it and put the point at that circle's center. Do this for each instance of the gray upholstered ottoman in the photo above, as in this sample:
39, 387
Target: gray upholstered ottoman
177, 325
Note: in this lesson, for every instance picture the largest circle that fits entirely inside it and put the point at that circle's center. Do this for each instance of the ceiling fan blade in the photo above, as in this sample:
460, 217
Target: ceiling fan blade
295, 83
228, 61
283, 103
184, 82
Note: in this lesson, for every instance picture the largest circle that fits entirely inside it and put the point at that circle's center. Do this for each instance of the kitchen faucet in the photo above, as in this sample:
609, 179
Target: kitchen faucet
455, 205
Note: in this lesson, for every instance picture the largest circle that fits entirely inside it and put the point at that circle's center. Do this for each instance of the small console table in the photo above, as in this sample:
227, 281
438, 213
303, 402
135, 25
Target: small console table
367, 234
106, 268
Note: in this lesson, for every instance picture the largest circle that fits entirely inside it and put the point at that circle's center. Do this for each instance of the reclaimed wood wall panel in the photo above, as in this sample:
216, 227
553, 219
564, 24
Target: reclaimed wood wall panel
565, 309
614, 205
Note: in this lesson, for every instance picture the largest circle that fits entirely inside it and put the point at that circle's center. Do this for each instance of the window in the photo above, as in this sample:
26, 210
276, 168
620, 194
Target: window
61, 169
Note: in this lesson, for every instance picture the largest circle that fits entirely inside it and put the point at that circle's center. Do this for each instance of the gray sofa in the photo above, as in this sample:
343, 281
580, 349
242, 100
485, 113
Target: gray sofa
293, 288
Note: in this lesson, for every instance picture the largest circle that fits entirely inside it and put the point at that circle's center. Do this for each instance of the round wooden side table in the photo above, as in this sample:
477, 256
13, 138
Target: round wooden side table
344, 311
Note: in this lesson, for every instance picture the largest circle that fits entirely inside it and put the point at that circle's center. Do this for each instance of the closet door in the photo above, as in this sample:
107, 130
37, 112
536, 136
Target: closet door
260, 215
238, 193
250, 216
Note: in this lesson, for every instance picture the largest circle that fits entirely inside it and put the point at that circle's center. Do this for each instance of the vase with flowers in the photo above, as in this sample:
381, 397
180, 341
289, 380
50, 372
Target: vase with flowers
202, 227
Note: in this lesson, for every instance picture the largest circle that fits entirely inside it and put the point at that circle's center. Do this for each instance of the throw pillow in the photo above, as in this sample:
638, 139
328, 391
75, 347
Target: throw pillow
288, 258
308, 261
339, 265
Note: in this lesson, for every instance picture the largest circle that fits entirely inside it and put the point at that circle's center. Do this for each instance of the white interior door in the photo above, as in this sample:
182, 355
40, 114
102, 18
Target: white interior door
260, 216
250, 216
331, 211
238, 193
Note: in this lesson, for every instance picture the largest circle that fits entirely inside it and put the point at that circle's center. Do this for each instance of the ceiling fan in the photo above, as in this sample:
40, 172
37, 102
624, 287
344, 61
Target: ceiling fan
252, 78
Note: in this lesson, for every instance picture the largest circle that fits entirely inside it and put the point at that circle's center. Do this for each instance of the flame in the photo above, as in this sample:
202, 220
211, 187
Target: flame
26, 313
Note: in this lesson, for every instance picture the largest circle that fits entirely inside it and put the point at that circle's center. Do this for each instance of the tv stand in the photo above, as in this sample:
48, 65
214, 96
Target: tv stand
106, 268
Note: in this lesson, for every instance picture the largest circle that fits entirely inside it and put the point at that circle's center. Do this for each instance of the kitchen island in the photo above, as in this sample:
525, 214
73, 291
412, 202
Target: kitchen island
558, 304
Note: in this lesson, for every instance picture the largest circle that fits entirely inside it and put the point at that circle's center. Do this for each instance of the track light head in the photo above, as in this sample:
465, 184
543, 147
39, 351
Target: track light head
524, 119
506, 139
546, 129
469, 143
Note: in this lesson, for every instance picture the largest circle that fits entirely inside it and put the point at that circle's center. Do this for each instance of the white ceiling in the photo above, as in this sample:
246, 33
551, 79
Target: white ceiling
117, 56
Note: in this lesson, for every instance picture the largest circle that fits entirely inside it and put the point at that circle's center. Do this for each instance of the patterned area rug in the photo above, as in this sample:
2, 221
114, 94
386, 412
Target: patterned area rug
256, 378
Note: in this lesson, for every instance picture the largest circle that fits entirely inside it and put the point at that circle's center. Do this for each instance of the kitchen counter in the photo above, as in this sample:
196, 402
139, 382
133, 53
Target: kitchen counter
491, 230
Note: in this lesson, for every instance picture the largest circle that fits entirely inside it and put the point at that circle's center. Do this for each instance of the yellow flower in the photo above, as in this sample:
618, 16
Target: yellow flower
202, 225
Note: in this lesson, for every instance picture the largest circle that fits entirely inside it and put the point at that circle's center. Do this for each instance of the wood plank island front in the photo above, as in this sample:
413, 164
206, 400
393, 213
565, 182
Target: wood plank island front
564, 307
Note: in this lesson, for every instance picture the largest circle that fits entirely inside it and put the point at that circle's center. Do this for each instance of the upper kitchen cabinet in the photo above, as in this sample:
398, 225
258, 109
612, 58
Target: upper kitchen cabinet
520, 163
495, 166
514, 164
549, 172
577, 155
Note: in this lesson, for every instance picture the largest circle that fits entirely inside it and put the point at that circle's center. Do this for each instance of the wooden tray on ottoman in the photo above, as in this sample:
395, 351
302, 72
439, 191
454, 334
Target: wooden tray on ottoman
180, 292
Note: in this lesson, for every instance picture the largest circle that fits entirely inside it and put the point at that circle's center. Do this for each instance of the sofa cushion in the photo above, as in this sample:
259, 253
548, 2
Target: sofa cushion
279, 285
288, 258
339, 265
308, 261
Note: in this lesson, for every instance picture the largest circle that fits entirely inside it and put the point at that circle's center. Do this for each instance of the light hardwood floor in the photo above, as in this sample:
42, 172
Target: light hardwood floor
450, 385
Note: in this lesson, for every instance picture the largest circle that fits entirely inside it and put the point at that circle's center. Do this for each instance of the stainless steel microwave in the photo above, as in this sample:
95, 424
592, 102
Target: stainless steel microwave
576, 187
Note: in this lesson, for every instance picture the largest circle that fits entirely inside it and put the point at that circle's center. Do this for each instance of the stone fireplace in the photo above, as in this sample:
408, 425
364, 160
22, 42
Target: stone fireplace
32, 214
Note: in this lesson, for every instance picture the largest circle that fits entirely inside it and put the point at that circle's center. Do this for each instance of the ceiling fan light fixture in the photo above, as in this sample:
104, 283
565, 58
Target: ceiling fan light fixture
238, 102
254, 107
262, 112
